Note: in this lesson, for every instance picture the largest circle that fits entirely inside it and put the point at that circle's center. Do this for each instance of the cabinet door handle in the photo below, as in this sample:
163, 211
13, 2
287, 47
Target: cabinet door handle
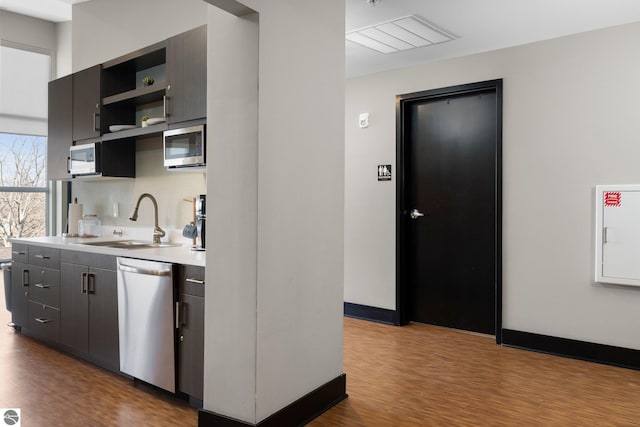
96, 121
42, 256
83, 283
165, 106
177, 315
18, 252
42, 320
25, 277
91, 283
197, 281
41, 285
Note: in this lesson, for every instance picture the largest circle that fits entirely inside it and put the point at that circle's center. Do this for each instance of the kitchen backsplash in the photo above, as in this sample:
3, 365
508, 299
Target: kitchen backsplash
169, 188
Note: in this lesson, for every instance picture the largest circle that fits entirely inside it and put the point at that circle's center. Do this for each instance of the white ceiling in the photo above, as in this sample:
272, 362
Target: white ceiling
49, 10
478, 25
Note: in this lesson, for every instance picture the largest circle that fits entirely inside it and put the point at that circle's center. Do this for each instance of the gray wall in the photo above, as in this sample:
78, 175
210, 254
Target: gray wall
279, 268
570, 123
28, 31
45, 36
300, 199
231, 301
63, 49
103, 30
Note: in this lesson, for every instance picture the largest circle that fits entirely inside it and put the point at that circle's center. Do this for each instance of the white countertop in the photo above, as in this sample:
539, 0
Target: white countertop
174, 254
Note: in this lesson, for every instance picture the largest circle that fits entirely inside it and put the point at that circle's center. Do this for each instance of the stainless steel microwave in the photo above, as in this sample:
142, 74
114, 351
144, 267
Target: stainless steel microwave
84, 159
184, 147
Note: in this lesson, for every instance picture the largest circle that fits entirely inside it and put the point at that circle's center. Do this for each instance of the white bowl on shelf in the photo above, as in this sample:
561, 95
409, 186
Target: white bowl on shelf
117, 128
155, 121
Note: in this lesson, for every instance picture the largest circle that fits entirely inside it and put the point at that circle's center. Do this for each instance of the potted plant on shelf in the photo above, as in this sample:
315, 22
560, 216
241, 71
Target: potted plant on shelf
144, 121
148, 81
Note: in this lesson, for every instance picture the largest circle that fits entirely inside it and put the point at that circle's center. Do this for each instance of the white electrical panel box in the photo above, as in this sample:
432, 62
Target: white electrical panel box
618, 234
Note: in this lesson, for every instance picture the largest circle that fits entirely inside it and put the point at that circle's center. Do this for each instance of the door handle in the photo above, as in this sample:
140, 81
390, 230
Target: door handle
415, 214
91, 283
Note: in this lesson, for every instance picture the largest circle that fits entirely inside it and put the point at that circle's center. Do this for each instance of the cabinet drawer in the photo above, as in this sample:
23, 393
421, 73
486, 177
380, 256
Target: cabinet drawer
20, 252
44, 256
106, 262
44, 321
44, 284
192, 280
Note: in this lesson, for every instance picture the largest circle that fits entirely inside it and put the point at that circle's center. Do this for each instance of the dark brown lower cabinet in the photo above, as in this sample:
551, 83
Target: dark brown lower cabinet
190, 331
70, 299
20, 294
89, 307
35, 291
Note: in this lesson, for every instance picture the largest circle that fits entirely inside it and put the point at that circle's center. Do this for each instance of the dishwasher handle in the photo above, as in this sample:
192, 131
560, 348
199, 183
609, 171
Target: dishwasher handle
145, 271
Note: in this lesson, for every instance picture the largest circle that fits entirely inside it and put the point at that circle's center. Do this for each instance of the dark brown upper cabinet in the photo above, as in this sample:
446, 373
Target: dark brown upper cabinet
86, 103
60, 133
187, 76
86, 106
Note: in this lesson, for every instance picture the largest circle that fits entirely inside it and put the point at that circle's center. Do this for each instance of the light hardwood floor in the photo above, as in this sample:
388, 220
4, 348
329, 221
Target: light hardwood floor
420, 375
416, 375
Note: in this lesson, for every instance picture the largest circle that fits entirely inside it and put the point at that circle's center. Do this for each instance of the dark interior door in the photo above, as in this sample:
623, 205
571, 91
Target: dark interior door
450, 161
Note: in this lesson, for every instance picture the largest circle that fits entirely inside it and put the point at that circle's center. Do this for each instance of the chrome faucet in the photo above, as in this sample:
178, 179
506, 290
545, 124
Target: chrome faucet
157, 231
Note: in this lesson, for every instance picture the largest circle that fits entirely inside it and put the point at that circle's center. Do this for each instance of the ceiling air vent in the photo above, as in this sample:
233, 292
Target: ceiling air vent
398, 35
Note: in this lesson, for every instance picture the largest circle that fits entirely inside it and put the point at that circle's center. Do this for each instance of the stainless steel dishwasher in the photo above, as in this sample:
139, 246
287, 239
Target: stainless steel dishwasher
145, 321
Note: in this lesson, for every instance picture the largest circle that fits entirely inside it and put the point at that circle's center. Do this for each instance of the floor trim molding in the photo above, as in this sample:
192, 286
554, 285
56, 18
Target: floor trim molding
374, 314
592, 352
298, 413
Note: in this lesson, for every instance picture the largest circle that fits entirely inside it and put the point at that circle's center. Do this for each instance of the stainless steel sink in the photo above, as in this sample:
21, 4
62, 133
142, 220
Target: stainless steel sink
130, 244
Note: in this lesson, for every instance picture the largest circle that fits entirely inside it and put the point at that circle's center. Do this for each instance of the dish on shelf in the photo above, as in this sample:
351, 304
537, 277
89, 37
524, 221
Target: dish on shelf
116, 128
155, 121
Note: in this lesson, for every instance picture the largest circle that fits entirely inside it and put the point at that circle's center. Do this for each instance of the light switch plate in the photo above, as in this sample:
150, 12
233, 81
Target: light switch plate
363, 120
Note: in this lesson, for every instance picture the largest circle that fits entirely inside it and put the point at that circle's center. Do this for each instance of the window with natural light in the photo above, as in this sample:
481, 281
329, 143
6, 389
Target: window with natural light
24, 193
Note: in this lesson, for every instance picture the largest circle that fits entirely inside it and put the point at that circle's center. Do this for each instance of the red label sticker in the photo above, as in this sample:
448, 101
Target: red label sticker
612, 199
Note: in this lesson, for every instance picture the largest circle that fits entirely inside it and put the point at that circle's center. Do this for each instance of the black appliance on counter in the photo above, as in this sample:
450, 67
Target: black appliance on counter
201, 219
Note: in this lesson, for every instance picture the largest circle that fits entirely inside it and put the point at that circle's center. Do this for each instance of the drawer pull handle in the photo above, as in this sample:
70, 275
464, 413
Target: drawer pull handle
18, 252
42, 320
41, 285
42, 257
197, 281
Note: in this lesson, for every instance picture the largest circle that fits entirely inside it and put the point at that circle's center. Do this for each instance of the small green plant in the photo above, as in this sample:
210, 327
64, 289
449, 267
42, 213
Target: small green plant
148, 81
144, 120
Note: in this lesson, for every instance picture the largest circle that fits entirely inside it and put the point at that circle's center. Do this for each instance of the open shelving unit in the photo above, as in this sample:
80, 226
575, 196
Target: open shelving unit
126, 100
